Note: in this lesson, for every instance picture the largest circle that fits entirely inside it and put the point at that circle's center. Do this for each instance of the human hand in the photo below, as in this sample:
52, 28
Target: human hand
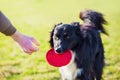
28, 44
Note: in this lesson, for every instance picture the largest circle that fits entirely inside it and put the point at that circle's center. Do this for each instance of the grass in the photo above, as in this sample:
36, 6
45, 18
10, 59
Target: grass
37, 18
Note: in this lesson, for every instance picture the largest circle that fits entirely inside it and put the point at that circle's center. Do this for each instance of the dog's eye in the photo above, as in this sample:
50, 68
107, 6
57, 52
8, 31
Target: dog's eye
56, 38
66, 37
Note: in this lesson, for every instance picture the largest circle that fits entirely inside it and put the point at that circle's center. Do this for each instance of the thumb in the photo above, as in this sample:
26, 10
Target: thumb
35, 41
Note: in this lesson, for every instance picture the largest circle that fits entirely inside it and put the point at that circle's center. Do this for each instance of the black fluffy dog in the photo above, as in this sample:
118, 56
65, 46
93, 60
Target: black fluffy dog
86, 46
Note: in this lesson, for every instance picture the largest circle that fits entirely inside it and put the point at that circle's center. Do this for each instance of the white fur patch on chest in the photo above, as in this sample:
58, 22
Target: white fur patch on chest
70, 71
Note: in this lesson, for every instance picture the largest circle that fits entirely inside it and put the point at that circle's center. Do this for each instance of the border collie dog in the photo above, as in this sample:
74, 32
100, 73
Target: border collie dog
85, 44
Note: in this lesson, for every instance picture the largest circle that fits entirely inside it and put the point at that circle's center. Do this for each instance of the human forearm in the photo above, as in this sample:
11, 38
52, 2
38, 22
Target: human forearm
6, 26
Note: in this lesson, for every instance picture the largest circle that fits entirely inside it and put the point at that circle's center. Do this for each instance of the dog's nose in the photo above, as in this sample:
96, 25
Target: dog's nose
58, 50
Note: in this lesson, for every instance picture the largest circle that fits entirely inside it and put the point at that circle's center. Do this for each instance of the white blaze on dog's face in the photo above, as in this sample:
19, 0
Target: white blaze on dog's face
64, 37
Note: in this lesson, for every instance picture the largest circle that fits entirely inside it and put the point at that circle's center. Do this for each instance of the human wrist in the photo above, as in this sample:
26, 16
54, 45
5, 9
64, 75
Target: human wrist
16, 35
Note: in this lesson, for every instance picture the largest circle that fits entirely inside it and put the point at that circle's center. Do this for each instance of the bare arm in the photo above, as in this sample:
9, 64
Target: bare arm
27, 43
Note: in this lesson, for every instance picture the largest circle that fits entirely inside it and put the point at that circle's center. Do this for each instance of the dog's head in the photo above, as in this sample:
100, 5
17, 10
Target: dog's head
65, 36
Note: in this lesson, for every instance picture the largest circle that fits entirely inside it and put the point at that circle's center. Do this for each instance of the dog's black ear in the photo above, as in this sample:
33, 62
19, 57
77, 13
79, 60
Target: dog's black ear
77, 27
51, 35
51, 38
75, 24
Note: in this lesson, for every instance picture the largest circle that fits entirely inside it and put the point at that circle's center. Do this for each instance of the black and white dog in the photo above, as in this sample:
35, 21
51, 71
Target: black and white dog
86, 46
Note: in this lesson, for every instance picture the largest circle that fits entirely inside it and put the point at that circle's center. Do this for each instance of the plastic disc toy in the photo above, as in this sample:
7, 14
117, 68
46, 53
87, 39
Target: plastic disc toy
58, 60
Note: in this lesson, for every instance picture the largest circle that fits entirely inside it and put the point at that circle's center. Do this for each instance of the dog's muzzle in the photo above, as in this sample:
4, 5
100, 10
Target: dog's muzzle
59, 50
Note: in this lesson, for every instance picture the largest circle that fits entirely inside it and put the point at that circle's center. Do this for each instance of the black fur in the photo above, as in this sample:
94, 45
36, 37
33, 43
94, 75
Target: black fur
85, 41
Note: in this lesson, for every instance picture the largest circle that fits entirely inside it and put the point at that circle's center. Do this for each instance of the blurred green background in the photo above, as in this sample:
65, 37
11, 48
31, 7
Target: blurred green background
37, 18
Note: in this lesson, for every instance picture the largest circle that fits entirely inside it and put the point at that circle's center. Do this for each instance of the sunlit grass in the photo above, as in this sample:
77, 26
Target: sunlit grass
37, 18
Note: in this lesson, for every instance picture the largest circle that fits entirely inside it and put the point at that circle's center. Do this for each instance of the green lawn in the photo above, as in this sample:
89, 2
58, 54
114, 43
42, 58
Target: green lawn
37, 18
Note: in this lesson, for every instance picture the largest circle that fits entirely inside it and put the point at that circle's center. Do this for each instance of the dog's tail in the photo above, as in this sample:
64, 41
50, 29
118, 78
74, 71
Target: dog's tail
95, 18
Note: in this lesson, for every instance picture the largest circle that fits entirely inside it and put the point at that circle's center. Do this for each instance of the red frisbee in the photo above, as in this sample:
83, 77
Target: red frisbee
58, 60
